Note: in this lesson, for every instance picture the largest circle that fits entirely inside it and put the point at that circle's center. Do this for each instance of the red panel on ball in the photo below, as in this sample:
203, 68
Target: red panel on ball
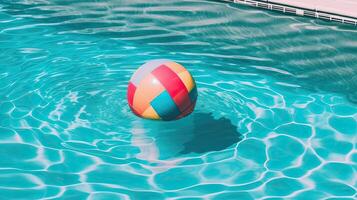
187, 111
182, 100
172, 83
131, 92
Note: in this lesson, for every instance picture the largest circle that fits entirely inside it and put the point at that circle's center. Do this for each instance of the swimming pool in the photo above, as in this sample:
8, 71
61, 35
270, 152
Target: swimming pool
275, 117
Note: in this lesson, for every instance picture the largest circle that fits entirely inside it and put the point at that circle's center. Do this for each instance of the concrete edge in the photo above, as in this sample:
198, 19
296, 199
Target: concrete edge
335, 17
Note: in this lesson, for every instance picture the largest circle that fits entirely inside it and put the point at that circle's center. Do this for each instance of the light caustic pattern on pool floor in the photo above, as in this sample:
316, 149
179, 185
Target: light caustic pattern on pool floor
275, 117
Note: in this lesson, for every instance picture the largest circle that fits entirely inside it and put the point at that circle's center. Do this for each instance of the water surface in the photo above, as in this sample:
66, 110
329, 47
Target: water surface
275, 118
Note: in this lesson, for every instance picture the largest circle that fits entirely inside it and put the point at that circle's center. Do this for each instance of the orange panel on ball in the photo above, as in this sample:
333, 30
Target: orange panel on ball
150, 113
146, 91
177, 68
187, 80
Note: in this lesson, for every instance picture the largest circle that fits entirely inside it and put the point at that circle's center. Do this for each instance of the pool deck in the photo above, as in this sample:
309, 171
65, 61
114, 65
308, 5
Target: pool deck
341, 7
344, 11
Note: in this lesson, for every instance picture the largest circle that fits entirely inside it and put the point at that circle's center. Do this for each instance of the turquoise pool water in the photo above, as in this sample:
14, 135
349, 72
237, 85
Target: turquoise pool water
275, 118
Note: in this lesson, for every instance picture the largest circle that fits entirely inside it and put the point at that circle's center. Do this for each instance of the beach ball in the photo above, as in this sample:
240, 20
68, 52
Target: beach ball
162, 90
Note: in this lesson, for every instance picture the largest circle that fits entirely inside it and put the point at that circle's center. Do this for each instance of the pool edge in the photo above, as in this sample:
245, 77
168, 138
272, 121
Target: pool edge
300, 11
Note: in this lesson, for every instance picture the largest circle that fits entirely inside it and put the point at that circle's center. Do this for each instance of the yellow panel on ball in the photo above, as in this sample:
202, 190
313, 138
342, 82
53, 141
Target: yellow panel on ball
175, 67
150, 113
186, 78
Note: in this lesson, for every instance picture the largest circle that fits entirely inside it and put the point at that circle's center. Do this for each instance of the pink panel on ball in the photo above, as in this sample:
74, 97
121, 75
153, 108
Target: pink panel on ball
146, 91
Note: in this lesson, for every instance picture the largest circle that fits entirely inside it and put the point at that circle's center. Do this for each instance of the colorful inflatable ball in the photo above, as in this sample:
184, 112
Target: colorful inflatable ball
162, 90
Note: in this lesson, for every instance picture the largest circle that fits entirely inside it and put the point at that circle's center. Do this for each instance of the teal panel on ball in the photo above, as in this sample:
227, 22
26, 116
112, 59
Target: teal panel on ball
165, 107
193, 94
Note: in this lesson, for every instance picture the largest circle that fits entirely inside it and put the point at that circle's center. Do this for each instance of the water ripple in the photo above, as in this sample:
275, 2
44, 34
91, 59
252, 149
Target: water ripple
276, 115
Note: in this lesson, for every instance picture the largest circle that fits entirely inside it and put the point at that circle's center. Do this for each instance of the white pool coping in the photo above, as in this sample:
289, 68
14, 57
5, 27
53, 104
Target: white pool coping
344, 11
